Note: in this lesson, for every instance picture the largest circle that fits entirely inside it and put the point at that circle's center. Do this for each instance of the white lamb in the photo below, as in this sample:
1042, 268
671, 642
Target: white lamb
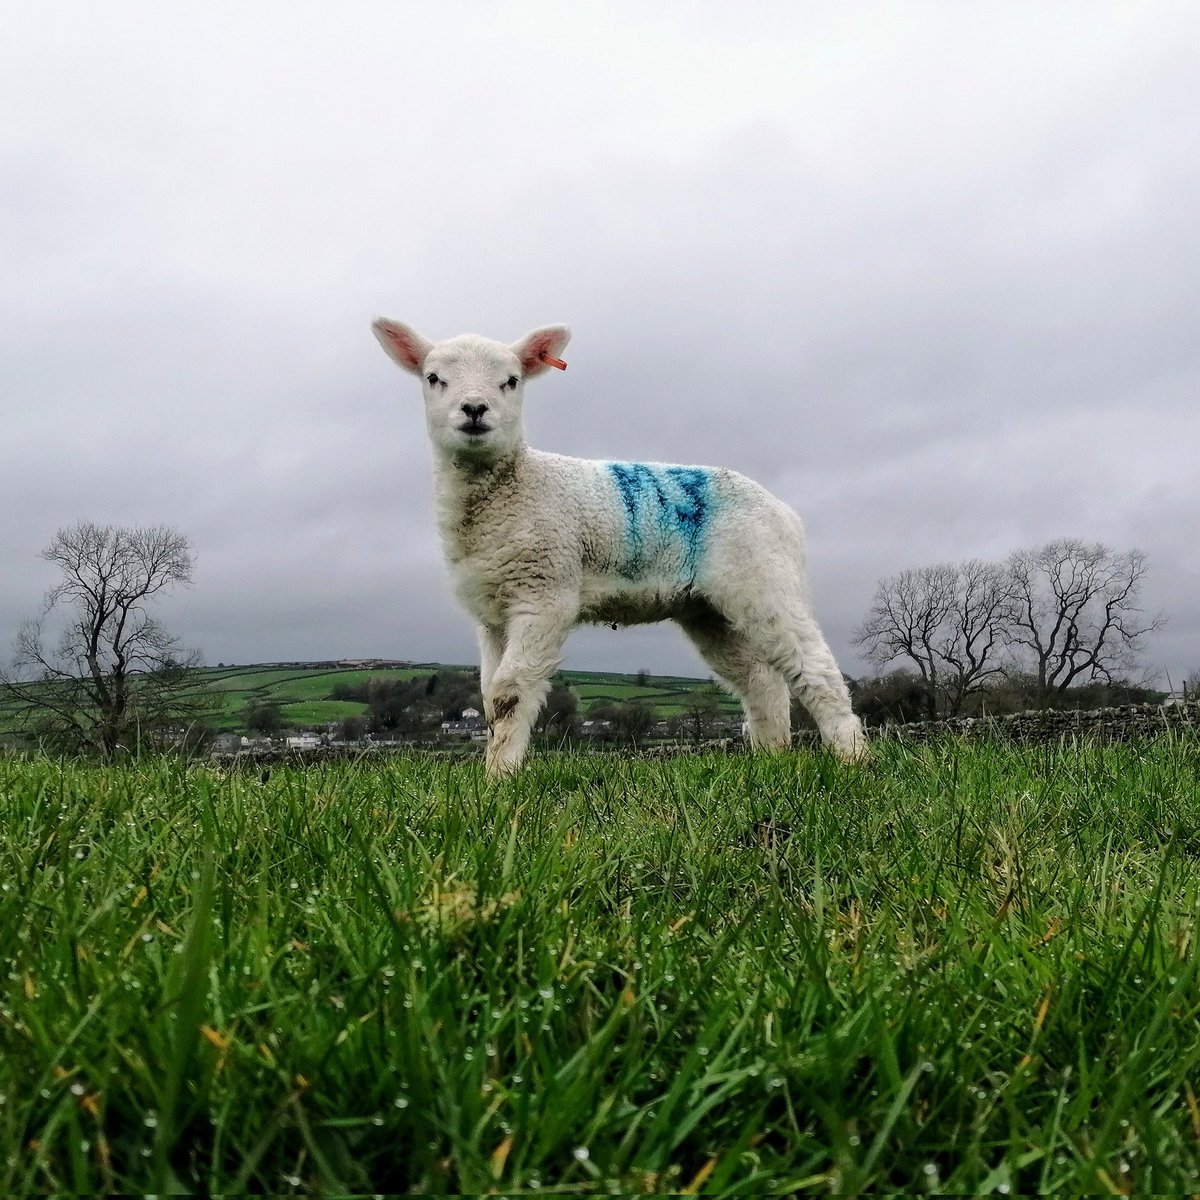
537, 543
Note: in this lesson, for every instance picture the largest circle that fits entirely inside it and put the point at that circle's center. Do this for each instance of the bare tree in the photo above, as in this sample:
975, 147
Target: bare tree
560, 713
113, 672
975, 631
906, 618
947, 620
701, 711
633, 719
1074, 612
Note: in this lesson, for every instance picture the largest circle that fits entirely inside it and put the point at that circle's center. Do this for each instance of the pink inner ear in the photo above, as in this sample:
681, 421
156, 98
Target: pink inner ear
410, 350
539, 352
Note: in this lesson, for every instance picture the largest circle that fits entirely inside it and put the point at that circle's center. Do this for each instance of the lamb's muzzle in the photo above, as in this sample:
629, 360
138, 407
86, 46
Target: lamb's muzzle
538, 543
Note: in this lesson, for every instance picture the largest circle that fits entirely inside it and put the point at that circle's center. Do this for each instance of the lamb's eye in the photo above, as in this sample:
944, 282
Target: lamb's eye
511, 382
433, 379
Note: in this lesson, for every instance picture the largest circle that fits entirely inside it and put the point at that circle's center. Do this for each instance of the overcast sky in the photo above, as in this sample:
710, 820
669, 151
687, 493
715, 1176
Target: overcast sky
930, 272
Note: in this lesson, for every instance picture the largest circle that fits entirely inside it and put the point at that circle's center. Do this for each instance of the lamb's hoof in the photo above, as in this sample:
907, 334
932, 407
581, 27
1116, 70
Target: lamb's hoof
857, 751
850, 745
501, 768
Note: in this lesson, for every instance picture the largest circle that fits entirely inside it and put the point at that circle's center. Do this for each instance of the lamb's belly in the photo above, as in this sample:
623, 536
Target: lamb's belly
637, 603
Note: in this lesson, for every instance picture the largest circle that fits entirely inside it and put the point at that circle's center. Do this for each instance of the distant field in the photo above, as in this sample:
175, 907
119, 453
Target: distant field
965, 969
319, 712
303, 692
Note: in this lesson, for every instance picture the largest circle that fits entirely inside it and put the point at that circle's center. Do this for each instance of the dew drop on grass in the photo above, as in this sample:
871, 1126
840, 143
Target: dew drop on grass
377, 1119
545, 993
401, 1102
77, 1089
150, 1120
581, 1153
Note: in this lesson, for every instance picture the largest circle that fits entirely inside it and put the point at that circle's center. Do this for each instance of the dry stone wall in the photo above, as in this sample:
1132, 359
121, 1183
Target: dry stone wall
1126, 723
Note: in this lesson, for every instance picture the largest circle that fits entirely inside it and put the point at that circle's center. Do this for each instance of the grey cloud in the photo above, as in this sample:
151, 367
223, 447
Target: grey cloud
933, 280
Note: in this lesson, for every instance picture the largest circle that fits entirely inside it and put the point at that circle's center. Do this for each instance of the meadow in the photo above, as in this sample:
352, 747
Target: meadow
303, 691
963, 968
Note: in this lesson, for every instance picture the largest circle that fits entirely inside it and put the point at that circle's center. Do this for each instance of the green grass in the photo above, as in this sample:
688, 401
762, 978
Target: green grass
308, 713
962, 969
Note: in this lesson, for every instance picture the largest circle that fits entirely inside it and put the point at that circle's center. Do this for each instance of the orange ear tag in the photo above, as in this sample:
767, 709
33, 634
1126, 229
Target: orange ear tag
553, 362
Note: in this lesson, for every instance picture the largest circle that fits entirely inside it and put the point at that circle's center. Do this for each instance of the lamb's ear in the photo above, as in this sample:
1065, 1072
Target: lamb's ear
535, 348
405, 345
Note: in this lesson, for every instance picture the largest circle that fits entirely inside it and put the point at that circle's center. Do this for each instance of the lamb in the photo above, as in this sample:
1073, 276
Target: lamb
537, 543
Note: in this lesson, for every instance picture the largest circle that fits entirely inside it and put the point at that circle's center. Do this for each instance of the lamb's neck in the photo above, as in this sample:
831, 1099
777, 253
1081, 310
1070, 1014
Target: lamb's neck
463, 485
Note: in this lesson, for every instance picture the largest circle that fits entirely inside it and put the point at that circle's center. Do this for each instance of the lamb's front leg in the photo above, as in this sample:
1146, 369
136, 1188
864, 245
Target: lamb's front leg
519, 686
491, 651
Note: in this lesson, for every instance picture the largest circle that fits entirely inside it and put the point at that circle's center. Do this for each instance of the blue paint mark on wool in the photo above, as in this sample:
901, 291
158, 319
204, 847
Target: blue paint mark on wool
666, 512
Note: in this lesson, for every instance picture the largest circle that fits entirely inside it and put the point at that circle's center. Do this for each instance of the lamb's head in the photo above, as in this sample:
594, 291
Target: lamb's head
473, 386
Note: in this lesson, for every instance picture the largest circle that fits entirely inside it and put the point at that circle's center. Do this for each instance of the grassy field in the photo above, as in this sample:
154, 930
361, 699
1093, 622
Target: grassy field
961, 969
303, 692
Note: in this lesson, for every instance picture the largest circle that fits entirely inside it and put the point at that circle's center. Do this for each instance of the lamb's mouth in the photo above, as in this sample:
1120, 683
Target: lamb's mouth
474, 430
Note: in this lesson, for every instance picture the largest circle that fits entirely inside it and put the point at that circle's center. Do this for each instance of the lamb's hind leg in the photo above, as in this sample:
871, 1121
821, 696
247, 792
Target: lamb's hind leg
779, 630
518, 688
761, 689
792, 642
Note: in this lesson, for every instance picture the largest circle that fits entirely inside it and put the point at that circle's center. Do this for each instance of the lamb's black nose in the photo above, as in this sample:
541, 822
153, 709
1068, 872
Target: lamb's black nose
475, 411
